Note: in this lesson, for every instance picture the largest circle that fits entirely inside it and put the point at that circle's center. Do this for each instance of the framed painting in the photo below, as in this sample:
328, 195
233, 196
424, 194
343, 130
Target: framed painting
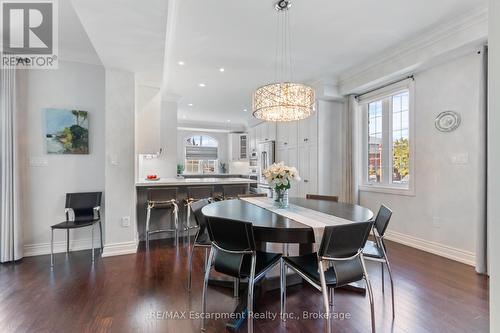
67, 131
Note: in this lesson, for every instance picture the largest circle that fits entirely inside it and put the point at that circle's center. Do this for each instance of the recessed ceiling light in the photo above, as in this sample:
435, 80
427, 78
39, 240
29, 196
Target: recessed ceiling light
184, 117
181, 63
229, 120
202, 85
221, 69
245, 110
190, 104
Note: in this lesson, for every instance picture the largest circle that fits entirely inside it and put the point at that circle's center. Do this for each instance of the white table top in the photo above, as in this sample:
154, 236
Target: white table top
193, 181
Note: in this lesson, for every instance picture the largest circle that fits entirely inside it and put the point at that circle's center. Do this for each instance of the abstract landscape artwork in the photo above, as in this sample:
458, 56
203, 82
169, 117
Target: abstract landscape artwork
67, 131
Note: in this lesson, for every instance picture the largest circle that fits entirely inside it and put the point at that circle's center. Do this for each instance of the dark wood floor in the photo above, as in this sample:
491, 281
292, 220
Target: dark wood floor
124, 294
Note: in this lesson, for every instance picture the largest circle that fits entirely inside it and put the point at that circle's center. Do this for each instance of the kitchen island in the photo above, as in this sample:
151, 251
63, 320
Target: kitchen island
162, 220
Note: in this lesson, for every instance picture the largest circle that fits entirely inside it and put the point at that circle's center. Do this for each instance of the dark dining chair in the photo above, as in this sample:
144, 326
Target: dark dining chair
162, 199
338, 262
85, 210
322, 197
252, 195
376, 250
234, 253
201, 238
195, 193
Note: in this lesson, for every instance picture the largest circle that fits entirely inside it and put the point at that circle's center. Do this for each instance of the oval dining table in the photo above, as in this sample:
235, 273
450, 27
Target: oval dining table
272, 227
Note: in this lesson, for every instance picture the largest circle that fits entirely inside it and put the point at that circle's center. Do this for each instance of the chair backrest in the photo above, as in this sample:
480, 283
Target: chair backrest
343, 242
83, 204
232, 191
252, 195
200, 219
162, 194
200, 192
234, 240
382, 220
322, 197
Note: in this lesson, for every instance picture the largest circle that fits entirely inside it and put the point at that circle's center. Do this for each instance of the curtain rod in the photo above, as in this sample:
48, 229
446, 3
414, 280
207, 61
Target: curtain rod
386, 85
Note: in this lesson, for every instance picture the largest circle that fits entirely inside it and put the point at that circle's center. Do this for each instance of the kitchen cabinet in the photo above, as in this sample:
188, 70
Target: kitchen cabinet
286, 134
270, 131
238, 143
308, 169
308, 130
288, 155
252, 139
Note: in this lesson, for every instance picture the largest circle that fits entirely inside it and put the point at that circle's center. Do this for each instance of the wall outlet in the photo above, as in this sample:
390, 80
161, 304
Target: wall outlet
436, 222
126, 221
460, 158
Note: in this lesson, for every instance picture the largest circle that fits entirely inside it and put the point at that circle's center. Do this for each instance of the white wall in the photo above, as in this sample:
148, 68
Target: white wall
494, 161
120, 162
449, 198
148, 120
72, 86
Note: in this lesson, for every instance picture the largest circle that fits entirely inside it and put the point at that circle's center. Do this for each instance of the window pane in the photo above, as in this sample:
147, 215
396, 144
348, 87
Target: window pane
400, 140
375, 142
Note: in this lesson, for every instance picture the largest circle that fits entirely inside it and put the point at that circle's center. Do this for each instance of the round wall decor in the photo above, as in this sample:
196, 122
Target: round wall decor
447, 121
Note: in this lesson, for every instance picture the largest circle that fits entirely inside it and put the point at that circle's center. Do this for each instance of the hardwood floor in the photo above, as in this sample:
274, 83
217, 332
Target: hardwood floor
133, 293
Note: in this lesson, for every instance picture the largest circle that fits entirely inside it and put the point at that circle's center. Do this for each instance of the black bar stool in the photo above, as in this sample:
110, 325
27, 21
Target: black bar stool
163, 199
195, 193
86, 212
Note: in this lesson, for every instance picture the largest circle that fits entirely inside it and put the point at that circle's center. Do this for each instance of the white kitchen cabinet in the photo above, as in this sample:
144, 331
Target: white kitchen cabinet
308, 130
252, 140
286, 134
308, 169
270, 131
238, 146
288, 155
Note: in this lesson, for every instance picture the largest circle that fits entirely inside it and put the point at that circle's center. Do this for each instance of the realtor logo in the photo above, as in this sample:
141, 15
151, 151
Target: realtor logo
29, 34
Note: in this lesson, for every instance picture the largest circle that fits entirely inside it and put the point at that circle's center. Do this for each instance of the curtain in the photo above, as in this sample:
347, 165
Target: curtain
10, 225
201, 153
351, 163
482, 231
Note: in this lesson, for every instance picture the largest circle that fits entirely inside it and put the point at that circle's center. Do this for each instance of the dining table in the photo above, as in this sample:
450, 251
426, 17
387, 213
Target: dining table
300, 223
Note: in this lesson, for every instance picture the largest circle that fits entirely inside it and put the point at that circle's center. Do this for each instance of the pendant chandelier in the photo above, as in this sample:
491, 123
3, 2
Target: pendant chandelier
284, 100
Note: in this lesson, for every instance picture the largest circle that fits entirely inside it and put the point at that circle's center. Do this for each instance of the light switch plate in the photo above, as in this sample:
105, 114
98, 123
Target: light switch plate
126, 221
460, 158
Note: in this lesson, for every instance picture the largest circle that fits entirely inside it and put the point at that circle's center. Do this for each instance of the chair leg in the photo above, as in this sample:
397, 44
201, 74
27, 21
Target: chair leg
205, 287
236, 288
205, 259
51, 249
331, 292
176, 228
148, 217
383, 278
100, 234
283, 289
251, 283
92, 242
324, 291
370, 293
190, 268
188, 222
67, 240
390, 277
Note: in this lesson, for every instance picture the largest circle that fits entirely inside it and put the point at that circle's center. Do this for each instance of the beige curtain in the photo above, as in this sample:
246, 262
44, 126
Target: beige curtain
351, 155
11, 246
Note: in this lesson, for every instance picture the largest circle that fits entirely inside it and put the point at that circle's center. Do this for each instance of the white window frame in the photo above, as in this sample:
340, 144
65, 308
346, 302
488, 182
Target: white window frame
364, 100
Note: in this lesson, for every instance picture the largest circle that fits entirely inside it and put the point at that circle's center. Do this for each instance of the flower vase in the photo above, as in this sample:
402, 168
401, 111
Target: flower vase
281, 198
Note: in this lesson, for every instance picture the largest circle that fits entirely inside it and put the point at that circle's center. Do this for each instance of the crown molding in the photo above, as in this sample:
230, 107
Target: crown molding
468, 28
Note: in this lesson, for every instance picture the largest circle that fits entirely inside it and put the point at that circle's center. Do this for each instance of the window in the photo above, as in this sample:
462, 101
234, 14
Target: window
201, 154
387, 142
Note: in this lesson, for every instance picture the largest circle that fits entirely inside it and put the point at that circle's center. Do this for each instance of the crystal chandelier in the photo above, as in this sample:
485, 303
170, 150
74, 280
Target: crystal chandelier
285, 100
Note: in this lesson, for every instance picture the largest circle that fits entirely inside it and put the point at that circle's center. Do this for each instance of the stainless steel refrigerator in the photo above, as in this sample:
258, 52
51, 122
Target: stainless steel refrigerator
266, 158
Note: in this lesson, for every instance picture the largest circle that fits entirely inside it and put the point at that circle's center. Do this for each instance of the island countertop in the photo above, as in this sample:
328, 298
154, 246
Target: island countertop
193, 181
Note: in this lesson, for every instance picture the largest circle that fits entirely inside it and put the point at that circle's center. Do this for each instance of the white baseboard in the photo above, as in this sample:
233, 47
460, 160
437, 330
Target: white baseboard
118, 249
449, 252
39, 249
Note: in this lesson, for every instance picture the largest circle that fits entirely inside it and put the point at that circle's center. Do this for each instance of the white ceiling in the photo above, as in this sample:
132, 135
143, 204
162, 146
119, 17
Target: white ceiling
328, 38
127, 34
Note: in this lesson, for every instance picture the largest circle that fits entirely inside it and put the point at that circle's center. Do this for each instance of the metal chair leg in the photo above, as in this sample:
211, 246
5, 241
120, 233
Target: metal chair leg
51, 248
100, 233
390, 277
283, 289
236, 288
188, 222
383, 278
324, 291
148, 217
176, 228
190, 267
331, 292
92, 242
67, 240
205, 287
250, 296
370, 293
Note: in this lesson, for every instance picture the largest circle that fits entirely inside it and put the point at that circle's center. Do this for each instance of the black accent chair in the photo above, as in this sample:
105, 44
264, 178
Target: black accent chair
162, 199
234, 253
195, 193
201, 238
333, 198
376, 251
86, 212
252, 195
338, 262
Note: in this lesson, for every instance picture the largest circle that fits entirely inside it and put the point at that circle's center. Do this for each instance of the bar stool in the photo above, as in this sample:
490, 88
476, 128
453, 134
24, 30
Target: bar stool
164, 199
195, 193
